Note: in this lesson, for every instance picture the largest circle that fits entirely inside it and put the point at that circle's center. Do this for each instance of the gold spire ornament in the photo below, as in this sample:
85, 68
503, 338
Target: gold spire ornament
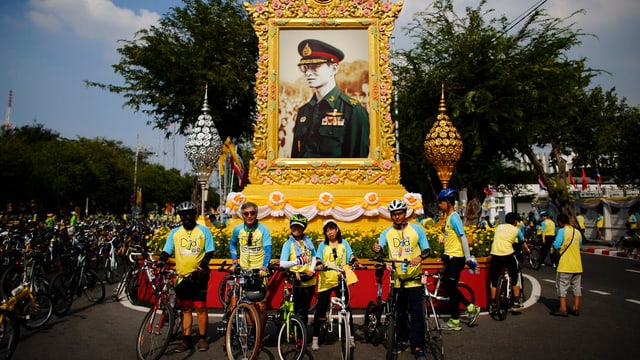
443, 144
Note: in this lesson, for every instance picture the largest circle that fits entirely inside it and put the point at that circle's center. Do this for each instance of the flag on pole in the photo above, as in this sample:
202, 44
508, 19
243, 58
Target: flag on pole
598, 177
541, 183
585, 181
572, 181
237, 165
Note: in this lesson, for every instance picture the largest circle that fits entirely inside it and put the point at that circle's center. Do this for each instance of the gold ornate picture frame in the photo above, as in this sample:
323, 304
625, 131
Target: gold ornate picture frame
280, 25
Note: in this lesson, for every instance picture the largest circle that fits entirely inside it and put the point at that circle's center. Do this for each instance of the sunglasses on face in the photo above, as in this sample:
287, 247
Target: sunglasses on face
249, 213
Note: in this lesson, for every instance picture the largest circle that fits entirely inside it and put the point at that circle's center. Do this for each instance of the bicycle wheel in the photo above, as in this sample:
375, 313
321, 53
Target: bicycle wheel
291, 339
242, 339
118, 290
61, 294
109, 272
371, 321
93, 287
434, 342
9, 333
154, 333
344, 334
468, 293
36, 314
502, 299
225, 288
390, 333
11, 279
177, 323
534, 258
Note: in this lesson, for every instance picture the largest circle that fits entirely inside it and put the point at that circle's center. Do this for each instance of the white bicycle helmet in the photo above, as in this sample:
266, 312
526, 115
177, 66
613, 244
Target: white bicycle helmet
186, 206
397, 205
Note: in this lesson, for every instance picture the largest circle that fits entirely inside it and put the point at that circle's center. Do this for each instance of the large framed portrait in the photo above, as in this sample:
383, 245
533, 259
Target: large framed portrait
324, 89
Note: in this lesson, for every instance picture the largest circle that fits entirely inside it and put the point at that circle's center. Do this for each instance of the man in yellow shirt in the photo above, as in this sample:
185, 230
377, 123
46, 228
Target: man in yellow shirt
568, 242
548, 232
503, 254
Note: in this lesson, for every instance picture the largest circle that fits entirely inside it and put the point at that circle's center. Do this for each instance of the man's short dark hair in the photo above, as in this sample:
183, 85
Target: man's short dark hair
563, 218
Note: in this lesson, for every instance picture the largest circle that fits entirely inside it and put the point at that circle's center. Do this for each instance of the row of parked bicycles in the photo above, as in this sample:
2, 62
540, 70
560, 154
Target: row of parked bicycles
44, 269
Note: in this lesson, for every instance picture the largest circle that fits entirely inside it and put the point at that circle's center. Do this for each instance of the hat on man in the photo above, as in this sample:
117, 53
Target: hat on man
315, 52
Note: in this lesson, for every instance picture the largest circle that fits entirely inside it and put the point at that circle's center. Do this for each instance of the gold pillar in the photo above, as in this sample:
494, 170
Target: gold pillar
443, 144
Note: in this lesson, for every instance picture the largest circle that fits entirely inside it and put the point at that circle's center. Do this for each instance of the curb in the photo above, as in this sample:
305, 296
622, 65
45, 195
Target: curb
607, 252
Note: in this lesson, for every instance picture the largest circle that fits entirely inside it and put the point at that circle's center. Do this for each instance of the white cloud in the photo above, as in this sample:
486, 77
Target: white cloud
91, 19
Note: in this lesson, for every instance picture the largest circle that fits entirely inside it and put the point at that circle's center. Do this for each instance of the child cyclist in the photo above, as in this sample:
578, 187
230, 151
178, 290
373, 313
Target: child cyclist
335, 252
299, 255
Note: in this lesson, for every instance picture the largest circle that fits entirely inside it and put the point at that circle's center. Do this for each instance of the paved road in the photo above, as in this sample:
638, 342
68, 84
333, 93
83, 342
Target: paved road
605, 329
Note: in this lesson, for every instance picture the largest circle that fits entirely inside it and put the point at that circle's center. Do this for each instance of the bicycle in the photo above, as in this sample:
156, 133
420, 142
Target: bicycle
434, 342
343, 317
129, 282
531, 253
504, 298
291, 329
33, 309
439, 295
74, 282
243, 330
9, 333
164, 321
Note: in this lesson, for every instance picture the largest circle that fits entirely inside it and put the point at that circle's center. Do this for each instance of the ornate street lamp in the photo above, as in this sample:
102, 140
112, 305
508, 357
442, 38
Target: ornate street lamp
203, 148
443, 144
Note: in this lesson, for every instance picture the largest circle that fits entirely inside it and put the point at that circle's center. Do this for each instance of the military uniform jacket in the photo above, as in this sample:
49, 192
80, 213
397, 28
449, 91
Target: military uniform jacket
336, 127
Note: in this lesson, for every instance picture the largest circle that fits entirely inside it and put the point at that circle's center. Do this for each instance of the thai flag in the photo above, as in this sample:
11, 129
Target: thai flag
541, 183
598, 177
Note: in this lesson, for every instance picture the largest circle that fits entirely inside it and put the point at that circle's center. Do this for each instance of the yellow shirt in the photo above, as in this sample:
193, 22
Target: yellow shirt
570, 261
503, 239
549, 227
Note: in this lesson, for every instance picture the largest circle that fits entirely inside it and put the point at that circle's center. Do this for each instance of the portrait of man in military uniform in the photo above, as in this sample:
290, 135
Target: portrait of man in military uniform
331, 124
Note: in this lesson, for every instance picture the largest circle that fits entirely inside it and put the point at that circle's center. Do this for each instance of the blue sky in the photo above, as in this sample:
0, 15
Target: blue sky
49, 47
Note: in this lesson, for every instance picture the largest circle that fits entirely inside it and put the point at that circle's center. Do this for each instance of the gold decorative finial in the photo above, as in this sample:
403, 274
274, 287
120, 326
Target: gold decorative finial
443, 144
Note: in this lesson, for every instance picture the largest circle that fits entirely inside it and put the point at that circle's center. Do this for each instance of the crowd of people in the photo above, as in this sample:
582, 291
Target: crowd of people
191, 245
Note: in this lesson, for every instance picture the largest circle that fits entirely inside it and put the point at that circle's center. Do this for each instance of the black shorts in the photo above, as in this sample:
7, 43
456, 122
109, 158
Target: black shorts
193, 287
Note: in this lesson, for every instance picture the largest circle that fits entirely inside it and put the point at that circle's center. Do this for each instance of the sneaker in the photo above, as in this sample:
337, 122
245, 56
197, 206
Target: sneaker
401, 347
352, 342
420, 355
185, 345
472, 313
452, 324
203, 345
314, 344
559, 313
517, 305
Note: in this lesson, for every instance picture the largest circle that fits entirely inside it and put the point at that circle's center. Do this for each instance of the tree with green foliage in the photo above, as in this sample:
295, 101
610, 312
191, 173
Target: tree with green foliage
166, 67
507, 93
61, 174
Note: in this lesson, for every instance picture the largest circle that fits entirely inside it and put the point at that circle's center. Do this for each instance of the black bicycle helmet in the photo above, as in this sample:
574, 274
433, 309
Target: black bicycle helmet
298, 219
395, 205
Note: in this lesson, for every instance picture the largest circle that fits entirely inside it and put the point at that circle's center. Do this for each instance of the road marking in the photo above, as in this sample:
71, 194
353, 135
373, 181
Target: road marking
600, 292
633, 271
633, 301
536, 291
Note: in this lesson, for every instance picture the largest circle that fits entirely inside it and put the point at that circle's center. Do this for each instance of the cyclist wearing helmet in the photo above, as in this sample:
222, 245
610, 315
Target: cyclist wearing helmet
506, 239
548, 232
456, 254
298, 254
193, 247
408, 245
250, 248
334, 251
